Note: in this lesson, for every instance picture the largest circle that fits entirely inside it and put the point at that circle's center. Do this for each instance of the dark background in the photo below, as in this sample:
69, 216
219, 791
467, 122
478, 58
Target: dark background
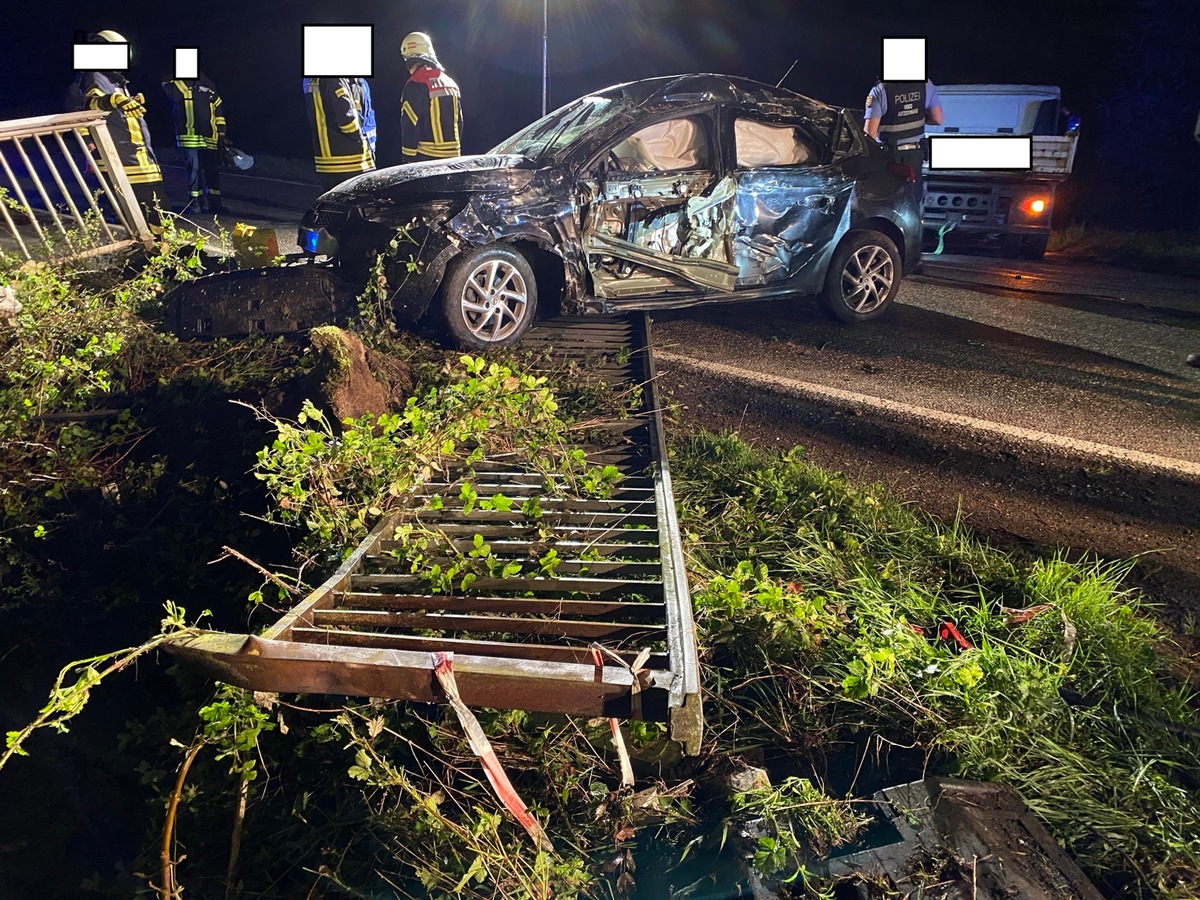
1130, 69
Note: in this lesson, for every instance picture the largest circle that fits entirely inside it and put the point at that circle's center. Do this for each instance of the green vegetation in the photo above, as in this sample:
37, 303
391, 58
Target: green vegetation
1057, 689
1173, 252
820, 606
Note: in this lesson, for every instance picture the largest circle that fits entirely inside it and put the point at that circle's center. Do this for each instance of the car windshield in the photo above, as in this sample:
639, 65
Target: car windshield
553, 133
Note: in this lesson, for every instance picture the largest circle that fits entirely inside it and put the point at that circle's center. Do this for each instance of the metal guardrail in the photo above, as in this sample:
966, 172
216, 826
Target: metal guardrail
608, 632
48, 159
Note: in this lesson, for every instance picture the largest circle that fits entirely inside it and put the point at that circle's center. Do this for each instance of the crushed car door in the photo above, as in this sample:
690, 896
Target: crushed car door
661, 222
789, 206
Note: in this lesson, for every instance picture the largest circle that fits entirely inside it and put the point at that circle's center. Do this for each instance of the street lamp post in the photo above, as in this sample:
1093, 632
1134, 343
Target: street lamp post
545, 51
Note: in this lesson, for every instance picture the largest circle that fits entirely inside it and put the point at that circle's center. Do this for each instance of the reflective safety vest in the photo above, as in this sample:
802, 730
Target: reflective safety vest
130, 136
430, 116
903, 122
335, 120
196, 109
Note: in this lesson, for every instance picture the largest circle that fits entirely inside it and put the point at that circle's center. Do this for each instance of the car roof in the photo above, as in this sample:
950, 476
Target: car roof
674, 90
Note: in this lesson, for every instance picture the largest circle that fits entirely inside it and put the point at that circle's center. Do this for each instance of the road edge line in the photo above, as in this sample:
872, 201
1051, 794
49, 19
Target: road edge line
922, 414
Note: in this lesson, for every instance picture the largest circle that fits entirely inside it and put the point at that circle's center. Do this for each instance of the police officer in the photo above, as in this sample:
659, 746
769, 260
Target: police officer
335, 119
200, 133
430, 110
896, 115
109, 91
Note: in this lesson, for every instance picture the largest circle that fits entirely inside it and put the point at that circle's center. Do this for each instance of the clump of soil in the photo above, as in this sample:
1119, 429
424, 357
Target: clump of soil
353, 381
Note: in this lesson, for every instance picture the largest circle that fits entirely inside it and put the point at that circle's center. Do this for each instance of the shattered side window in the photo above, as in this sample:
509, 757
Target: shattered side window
671, 146
762, 144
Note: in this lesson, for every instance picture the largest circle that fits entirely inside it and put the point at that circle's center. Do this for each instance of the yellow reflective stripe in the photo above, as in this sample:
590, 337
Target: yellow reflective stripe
94, 98
322, 134
358, 162
435, 119
348, 129
444, 151
407, 110
350, 164
457, 136
189, 108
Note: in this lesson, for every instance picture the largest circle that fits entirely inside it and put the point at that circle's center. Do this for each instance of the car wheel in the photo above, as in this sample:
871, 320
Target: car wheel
863, 277
489, 298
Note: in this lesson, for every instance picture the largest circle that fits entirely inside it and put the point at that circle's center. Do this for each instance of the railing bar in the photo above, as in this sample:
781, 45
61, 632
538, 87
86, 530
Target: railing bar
21, 198
115, 168
104, 184
12, 226
58, 180
87, 191
41, 189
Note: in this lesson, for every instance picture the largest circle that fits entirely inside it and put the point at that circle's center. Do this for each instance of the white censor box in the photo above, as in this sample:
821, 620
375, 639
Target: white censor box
953, 151
337, 51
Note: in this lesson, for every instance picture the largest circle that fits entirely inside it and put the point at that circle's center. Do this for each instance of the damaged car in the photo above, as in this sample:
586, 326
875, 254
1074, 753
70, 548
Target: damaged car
665, 192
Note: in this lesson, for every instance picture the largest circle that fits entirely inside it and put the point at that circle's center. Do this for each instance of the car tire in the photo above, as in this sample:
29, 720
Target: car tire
863, 277
1033, 247
489, 297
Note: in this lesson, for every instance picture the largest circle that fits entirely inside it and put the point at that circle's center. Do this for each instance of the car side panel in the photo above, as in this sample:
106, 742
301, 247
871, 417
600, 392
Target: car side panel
785, 217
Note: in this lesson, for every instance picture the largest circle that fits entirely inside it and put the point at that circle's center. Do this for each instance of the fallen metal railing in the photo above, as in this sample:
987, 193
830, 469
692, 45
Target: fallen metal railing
48, 158
609, 631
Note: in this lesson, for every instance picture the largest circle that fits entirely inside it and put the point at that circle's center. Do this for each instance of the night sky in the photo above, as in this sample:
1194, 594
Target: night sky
1093, 49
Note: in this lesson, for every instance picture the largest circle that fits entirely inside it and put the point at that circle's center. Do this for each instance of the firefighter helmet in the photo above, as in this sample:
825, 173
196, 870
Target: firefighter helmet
107, 36
418, 47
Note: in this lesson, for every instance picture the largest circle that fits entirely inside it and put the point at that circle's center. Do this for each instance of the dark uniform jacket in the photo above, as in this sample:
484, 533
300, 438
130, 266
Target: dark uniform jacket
903, 120
196, 109
96, 90
335, 119
430, 116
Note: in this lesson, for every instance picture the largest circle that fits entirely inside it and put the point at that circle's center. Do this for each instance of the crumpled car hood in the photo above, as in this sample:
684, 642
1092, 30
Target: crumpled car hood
436, 177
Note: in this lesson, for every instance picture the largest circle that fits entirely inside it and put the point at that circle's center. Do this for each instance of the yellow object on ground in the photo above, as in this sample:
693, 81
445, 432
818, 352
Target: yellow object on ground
253, 245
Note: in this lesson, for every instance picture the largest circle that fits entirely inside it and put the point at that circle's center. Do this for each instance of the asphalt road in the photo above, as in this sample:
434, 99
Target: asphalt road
1087, 353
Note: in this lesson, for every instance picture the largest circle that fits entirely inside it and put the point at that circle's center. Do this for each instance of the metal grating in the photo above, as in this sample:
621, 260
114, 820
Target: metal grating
524, 641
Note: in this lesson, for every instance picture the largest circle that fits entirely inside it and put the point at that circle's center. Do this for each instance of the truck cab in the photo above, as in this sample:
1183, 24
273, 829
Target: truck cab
1011, 207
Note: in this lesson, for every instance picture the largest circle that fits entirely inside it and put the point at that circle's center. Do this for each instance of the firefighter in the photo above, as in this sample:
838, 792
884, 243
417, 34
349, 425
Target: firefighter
200, 133
109, 91
335, 117
430, 112
896, 115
